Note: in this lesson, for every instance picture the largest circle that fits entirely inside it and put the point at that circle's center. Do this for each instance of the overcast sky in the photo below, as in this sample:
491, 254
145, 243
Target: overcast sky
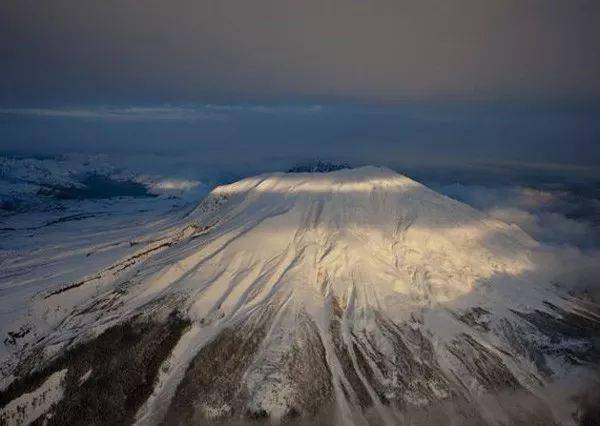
467, 79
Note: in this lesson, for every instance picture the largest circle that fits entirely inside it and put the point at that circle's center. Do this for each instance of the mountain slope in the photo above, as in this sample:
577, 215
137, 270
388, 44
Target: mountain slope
356, 296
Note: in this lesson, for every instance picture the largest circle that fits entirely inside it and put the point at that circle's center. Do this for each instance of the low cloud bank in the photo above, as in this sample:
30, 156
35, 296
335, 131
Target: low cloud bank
560, 215
556, 216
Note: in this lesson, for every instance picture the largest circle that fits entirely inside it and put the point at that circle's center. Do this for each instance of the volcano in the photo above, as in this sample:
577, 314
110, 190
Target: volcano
356, 296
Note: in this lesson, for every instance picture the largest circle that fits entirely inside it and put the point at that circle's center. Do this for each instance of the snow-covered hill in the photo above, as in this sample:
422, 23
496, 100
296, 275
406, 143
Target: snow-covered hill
355, 296
48, 184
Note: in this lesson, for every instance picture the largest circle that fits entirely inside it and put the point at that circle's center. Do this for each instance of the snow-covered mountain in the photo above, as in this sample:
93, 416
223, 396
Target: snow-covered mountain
357, 296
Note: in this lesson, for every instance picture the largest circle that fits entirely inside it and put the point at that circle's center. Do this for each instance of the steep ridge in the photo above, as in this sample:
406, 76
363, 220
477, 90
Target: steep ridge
357, 296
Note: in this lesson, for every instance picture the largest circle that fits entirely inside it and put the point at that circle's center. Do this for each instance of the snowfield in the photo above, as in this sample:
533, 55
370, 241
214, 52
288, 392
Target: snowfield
357, 296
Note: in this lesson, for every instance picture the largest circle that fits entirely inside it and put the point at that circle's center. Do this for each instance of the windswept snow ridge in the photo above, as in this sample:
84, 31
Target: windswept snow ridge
357, 296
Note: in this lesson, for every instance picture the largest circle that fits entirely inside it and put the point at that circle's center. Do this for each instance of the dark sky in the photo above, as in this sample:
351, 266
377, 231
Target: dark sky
223, 50
470, 79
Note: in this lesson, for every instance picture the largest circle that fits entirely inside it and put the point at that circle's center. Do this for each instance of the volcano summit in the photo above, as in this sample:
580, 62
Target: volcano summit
357, 296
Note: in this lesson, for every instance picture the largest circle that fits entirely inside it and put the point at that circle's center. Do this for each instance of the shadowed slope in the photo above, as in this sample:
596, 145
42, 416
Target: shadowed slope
351, 297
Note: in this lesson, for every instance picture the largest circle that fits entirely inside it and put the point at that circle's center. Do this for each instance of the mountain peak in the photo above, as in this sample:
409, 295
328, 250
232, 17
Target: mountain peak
413, 244
361, 179
357, 289
318, 166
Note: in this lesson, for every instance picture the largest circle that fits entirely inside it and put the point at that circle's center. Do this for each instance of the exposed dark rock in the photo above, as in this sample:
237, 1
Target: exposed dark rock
520, 340
572, 335
14, 335
360, 396
318, 167
483, 364
210, 389
588, 412
476, 317
308, 369
504, 392
413, 366
124, 362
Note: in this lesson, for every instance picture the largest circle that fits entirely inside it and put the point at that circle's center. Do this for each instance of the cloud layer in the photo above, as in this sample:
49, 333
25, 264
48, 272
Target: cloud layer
547, 215
564, 219
380, 50
116, 114
155, 113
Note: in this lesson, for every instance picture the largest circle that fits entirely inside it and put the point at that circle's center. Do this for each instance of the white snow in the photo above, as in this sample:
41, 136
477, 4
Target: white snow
29, 406
374, 239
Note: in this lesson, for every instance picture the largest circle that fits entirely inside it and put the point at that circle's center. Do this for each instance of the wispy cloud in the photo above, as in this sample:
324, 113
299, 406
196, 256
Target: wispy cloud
166, 113
268, 109
156, 113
